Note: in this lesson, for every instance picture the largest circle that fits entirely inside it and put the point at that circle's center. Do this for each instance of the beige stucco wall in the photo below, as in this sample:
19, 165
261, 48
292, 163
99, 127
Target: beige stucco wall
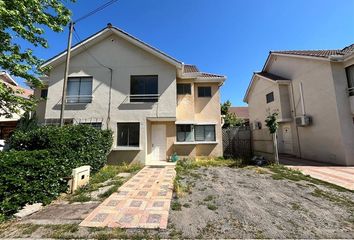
330, 137
191, 108
125, 60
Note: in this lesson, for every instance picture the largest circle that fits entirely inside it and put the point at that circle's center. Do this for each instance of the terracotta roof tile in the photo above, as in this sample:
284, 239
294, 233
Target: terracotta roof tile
190, 68
320, 53
207, 75
241, 112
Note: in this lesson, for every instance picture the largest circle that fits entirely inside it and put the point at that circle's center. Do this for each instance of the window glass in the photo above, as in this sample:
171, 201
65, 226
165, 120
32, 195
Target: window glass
183, 88
44, 93
143, 85
270, 97
97, 125
204, 91
185, 133
128, 134
350, 78
204, 132
79, 90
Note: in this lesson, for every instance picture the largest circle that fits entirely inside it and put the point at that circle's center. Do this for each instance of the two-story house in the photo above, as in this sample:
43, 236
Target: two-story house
313, 93
155, 104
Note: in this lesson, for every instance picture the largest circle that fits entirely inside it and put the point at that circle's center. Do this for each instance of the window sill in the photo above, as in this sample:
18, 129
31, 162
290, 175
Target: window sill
127, 148
196, 143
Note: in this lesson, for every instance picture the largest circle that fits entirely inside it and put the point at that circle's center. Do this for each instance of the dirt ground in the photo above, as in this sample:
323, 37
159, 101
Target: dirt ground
222, 202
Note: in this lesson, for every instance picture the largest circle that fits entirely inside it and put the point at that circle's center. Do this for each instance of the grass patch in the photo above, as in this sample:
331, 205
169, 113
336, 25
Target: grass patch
81, 197
281, 172
28, 229
340, 200
62, 231
96, 181
295, 206
186, 205
176, 206
211, 206
208, 198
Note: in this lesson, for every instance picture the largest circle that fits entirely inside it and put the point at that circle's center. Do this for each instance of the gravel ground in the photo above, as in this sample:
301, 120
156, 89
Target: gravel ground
233, 203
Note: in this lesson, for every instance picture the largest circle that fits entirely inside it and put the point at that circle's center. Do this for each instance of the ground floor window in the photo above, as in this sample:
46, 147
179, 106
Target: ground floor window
198, 133
128, 134
97, 125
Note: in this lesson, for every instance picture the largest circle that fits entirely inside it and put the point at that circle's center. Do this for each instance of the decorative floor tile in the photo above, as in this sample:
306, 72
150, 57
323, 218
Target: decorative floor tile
142, 202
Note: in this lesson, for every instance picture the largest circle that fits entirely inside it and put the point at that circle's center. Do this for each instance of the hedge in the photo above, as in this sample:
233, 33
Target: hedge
28, 177
72, 145
37, 162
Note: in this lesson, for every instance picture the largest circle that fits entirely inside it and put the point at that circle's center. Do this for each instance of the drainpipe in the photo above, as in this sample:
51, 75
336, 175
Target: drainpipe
302, 99
109, 98
296, 127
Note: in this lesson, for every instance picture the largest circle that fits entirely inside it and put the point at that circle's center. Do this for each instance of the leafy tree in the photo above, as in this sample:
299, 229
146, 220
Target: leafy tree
272, 124
231, 120
25, 20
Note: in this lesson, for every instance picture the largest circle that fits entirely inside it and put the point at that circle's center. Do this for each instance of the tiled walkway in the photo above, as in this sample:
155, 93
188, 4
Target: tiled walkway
339, 175
142, 202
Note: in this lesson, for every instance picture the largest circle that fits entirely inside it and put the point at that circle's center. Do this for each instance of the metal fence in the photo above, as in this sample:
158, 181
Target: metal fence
237, 142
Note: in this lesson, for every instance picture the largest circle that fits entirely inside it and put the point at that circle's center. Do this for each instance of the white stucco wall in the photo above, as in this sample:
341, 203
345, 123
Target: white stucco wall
125, 60
330, 137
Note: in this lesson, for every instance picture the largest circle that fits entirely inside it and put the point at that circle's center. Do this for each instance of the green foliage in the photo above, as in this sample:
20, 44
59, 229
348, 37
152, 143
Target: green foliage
231, 120
27, 122
271, 122
28, 177
225, 107
25, 20
38, 160
71, 145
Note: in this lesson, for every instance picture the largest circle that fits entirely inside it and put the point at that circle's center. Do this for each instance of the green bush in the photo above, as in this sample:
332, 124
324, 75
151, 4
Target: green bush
28, 177
72, 145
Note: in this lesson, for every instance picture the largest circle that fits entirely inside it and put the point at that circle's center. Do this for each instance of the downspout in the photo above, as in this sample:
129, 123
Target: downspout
109, 98
302, 99
296, 127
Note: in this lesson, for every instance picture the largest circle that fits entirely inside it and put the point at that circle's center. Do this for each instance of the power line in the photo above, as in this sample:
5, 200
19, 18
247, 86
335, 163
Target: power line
96, 10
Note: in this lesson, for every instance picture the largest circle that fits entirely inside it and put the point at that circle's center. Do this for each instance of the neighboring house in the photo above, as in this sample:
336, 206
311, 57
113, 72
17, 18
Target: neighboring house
7, 125
240, 112
313, 92
155, 104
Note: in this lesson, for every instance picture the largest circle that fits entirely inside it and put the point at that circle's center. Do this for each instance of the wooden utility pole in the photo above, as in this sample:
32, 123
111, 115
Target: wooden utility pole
66, 73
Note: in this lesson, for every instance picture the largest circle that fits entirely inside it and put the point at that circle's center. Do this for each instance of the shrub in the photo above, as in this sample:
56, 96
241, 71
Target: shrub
28, 177
72, 145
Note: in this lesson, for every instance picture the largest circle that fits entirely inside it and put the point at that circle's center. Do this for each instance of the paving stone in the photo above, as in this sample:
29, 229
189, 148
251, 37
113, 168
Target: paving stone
140, 203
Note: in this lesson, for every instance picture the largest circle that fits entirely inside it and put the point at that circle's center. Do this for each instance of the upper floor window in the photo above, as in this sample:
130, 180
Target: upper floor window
144, 88
204, 91
183, 88
270, 97
79, 90
44, 93
350, 79
128, 134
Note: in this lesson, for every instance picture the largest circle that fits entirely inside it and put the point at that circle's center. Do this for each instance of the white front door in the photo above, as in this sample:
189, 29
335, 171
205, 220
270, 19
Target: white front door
158, 142
287, 139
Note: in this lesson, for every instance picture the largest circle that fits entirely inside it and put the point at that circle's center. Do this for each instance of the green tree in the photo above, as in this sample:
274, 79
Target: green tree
230, 119
24, 20
272, 124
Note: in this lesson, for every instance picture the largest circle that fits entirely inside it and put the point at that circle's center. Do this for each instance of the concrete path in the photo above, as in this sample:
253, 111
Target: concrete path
142, 202
339, 175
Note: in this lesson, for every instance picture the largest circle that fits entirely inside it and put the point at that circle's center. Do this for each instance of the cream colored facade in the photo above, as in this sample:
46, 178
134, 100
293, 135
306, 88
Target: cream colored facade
330, 136
111, 57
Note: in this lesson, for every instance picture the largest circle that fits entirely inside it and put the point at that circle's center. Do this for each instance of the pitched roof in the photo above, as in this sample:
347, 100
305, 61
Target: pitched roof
241, 112
210, 75
320, 53
188, 68
270, 76
108, 30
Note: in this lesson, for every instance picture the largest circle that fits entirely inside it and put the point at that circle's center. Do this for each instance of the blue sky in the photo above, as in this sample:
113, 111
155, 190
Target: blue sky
229, 37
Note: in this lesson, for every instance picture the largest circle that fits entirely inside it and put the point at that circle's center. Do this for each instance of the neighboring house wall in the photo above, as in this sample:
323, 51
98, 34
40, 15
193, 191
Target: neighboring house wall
330, 138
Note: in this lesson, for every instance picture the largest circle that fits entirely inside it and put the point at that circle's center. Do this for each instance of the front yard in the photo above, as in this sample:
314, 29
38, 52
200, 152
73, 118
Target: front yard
223, 199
